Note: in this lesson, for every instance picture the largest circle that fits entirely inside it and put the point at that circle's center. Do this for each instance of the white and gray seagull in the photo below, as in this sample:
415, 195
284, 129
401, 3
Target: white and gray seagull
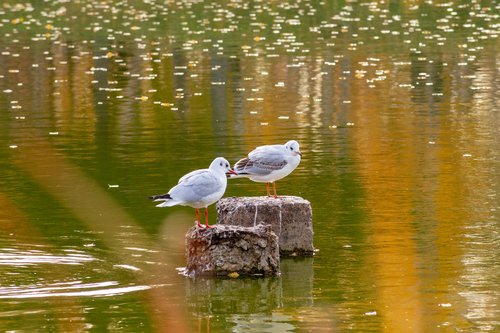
267, 164
198, 189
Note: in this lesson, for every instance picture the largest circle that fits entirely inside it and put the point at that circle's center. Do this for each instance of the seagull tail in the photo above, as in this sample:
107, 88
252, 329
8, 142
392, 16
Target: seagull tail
238, 175
166, 198
168, 203
161, 197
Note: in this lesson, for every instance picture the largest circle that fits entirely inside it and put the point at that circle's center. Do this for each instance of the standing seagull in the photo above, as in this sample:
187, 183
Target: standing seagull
267, 164
198, 189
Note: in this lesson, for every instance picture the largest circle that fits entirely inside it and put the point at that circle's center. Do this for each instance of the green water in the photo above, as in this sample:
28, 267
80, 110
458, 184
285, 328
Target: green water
395, 106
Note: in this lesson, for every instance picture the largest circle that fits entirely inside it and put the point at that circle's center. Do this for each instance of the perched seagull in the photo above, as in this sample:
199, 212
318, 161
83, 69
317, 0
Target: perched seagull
198, 189
267, 164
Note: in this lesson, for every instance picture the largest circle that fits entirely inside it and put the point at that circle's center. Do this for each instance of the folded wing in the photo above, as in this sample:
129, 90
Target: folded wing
195, 186
262, 161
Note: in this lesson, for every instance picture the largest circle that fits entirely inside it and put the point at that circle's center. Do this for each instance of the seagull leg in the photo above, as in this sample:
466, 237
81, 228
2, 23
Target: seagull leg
198, 218
274, 188
267, 189
206, 218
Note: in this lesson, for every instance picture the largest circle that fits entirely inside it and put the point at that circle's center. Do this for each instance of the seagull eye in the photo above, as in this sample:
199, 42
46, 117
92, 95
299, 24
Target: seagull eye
291, 148
227, 165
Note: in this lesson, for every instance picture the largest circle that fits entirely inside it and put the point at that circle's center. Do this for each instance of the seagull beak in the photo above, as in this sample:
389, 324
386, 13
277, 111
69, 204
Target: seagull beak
298, 153
232, 171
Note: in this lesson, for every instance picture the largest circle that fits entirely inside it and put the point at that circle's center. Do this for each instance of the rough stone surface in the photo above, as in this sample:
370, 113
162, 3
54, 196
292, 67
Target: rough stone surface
290, 218
226, 249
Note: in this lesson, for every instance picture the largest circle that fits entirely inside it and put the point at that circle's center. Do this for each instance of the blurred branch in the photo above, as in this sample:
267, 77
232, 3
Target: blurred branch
94, 207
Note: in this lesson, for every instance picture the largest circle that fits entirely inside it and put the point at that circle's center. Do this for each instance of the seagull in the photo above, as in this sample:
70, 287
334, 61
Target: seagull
198, 189
267, 164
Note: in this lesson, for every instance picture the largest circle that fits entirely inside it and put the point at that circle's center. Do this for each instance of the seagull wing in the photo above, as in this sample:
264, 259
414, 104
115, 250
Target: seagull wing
262, 161
195, 186
192, 174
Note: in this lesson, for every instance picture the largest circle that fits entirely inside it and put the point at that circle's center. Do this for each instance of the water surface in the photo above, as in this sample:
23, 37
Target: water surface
395, 105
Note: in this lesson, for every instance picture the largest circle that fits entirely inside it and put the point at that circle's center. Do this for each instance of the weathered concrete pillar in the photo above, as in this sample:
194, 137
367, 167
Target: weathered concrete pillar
290, 218
226, 249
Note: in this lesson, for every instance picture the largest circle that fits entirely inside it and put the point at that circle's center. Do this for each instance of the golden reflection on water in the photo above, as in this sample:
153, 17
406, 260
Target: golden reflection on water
385, 177
392, 191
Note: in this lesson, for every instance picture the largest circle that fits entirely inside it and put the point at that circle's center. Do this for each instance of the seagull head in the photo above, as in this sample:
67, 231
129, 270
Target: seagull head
220, 164
293, 147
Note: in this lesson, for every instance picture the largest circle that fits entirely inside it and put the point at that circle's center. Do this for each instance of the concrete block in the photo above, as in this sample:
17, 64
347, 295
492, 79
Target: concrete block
289, 217
225, 249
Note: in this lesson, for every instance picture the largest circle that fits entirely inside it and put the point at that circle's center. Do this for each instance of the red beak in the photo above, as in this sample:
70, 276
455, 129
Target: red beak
232, 171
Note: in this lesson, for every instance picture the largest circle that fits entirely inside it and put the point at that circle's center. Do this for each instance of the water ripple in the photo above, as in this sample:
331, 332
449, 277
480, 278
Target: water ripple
69, 289
11, 257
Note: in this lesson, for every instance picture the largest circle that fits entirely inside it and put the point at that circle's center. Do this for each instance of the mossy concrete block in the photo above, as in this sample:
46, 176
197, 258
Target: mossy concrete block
290, 218
226, 249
